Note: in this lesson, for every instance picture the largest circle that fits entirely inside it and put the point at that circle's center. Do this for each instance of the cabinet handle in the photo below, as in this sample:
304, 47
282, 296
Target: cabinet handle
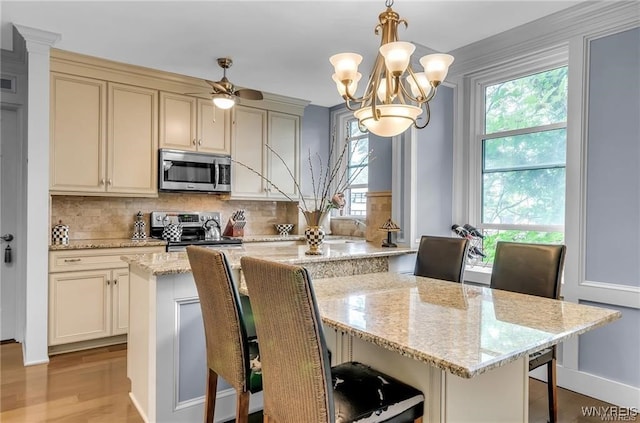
115, 281
194, 141
108, 282
75, 260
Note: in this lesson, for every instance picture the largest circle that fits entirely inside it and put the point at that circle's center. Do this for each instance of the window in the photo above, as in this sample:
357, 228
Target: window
358, 166
521, 142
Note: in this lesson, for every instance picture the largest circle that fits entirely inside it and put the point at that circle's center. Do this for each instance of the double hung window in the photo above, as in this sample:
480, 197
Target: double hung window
356, 195
520, 145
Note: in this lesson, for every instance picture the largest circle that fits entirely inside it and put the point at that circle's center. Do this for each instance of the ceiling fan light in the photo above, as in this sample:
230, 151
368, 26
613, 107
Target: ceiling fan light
223, 101
397, 55
346, 65
394, 119
436, 67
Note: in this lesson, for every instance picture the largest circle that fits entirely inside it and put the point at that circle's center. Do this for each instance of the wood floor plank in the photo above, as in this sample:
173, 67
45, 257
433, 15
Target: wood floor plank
91, 386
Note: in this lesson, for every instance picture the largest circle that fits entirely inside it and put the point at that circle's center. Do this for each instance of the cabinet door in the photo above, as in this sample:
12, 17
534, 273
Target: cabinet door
214, 134
120, 301
79, 306
132, 140
177, 121
283, 139
78, 133
249, 135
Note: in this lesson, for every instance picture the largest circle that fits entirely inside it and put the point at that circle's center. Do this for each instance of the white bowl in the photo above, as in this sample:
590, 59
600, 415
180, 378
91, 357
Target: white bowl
284, 228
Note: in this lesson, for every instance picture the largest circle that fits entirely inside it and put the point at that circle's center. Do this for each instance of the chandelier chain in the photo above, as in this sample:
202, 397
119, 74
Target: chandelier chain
388, 3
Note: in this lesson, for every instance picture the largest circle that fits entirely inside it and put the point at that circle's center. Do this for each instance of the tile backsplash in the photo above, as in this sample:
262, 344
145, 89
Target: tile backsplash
113, 217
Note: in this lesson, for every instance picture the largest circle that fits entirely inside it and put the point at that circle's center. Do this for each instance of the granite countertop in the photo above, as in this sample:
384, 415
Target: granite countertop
465, 330
83, 244
177, 262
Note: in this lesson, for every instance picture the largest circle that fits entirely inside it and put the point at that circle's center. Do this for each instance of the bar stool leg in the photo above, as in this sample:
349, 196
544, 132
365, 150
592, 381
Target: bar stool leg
552, 391
242, 407
210, 397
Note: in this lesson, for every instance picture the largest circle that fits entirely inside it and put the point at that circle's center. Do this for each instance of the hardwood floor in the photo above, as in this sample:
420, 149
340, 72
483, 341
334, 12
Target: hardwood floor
92, 386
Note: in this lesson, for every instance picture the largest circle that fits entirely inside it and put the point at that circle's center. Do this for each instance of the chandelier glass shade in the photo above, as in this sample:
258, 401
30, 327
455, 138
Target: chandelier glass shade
395, 96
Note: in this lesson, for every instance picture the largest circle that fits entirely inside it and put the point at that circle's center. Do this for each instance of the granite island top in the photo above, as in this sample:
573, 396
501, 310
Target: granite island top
465, 330
293, 253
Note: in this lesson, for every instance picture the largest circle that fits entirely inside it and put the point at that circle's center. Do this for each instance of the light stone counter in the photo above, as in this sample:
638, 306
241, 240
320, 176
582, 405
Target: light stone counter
465, 330
83, 244
347, 254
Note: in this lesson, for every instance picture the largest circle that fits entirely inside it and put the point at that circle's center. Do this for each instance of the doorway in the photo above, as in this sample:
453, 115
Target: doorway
10, 177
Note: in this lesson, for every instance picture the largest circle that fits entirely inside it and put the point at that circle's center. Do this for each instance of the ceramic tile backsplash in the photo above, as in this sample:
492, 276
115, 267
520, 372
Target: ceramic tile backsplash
378, 211
113, 217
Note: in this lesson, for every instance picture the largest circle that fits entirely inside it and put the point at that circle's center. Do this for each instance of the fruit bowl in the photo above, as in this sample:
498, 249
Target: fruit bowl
284, 228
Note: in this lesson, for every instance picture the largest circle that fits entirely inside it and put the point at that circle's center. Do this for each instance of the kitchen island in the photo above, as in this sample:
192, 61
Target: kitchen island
166, 349
465, 347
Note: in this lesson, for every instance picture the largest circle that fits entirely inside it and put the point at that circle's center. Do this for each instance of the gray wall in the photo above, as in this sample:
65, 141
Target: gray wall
315, 136
380, 166
435, 168
613, 200
613, 163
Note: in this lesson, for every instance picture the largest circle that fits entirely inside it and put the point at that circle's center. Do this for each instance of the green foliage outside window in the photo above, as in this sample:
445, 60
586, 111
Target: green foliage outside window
523, 175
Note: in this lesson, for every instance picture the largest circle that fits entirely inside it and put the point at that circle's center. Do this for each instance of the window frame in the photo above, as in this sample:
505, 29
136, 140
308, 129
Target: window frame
340, 121
524, 67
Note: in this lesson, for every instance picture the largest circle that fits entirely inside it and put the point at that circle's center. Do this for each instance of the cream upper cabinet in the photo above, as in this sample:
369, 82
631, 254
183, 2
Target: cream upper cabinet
253, 129
78, 133
193, 124
132, 146
104, 137
249, 134
214, 128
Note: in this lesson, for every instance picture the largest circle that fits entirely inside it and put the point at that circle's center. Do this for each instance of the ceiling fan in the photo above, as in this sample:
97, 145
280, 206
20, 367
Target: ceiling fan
224, 92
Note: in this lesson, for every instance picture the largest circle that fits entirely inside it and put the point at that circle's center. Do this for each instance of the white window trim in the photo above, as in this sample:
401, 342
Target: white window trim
339, 119
529, 65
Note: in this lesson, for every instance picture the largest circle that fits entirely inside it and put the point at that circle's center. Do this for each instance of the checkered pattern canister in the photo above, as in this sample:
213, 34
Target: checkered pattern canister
60, 234
315, 238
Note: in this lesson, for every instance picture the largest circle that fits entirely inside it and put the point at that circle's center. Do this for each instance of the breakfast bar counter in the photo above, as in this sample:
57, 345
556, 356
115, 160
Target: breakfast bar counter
166, 359
466, 347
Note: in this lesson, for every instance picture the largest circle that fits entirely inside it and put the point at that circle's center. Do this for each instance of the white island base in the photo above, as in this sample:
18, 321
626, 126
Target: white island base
167, 367
500, 395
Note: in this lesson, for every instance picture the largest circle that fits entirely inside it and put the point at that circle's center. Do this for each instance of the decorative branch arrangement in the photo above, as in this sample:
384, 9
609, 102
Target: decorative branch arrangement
328, 182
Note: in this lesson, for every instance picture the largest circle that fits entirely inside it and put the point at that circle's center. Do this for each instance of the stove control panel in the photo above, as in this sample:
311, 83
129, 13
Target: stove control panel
186, 219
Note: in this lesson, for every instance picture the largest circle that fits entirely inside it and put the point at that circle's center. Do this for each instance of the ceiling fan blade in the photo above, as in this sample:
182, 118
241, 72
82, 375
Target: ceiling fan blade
216, 86
249, 94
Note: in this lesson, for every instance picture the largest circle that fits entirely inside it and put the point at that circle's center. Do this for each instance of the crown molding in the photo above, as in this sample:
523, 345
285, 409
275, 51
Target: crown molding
37, 40
584, 19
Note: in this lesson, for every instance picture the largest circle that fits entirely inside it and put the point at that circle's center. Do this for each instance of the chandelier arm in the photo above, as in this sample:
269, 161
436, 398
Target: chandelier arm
347, 103
415, 79
432, 94
428, 117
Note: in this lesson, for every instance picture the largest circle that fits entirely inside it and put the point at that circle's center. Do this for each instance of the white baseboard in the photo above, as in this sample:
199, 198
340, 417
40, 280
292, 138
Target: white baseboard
598, 387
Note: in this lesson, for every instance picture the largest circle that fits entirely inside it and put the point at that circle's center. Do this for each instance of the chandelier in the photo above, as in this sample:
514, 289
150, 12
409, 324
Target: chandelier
395, 95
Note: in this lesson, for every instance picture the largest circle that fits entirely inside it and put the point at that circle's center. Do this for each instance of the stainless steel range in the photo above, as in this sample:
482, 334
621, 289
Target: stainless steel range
194, 228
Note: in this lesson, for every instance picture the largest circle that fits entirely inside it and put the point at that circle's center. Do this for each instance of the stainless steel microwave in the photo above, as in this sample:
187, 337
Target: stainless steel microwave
186, 171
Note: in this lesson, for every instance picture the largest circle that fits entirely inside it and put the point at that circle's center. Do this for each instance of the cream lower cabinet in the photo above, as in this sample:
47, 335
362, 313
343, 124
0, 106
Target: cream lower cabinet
252, 129
89, 294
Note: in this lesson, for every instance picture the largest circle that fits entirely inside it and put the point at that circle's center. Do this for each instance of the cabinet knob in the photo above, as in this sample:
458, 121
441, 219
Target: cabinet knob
194, 141
115, 281
109, 181
199, 142
108, 282
102, 181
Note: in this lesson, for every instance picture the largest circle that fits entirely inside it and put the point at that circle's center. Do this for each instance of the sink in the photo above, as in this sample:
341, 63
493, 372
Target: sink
343, 241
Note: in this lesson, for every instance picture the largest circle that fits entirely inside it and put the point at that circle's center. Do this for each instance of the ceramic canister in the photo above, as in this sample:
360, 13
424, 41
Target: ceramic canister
60, 234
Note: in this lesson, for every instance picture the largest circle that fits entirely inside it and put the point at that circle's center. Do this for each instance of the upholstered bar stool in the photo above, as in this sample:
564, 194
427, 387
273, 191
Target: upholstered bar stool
534, 269
230, 353
299, 384
441, 258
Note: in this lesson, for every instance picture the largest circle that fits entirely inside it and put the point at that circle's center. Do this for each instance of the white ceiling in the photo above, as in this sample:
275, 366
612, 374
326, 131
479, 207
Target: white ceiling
277, 47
